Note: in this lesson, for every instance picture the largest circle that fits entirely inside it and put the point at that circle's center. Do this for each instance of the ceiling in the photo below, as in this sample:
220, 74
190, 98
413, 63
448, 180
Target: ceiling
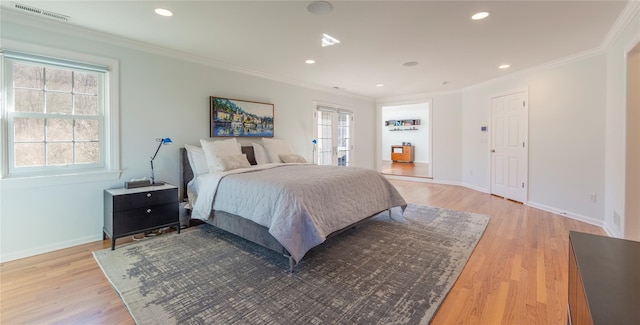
274, 38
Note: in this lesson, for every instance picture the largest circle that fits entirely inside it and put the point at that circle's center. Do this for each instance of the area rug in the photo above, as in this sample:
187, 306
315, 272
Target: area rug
388, 270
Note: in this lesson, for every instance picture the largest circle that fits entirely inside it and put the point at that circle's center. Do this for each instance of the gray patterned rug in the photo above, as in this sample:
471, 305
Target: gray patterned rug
382, 272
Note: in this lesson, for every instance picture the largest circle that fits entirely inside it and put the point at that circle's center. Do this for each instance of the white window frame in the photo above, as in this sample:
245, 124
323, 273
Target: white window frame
108, 169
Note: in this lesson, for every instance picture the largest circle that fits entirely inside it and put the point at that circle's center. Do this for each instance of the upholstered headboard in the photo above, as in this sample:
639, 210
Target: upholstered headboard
186, 174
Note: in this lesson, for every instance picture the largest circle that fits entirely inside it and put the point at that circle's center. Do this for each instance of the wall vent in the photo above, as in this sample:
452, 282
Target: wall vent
40, 12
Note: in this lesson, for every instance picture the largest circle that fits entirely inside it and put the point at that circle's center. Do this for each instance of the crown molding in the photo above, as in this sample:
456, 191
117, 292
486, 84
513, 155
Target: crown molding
415, 98
628, 13
630, 10
68, 29
545, 66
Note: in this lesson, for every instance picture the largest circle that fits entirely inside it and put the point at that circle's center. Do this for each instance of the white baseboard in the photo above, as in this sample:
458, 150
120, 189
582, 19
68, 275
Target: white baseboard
477, 188
408, 178
568, 214
610, 231
571, 215
436, 181
48, 248
421, 180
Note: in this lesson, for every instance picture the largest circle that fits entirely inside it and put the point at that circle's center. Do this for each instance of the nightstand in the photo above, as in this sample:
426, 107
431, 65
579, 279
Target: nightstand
132, 211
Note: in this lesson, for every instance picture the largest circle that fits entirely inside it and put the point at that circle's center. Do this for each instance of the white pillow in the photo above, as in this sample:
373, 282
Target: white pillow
275, 148
213, 150
233, 162
197, 160
260, 154
292, 158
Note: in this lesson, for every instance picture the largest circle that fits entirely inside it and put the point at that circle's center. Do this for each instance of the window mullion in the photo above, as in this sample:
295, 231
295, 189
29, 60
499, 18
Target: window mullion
46, 147
51, 115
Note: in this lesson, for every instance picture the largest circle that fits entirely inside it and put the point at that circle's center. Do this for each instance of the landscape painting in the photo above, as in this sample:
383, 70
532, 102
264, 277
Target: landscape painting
240, 118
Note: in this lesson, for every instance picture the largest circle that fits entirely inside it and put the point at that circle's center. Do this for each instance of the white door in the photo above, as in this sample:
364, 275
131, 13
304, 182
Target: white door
333, 136
509, 168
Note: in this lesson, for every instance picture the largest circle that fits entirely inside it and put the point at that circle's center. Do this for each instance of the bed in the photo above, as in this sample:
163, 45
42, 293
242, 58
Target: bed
288, 208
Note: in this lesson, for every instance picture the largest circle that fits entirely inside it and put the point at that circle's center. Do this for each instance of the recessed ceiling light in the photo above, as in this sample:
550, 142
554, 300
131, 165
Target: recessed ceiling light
380, 85
504, 66
328, 40
164, 12
410, 64
320, 7
310, 61
480, 15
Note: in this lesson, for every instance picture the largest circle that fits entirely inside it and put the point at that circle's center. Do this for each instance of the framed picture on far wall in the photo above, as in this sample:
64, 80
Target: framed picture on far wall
240, 118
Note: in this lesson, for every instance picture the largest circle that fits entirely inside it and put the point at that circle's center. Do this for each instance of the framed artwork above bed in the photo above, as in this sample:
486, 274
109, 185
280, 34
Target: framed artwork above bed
240, 118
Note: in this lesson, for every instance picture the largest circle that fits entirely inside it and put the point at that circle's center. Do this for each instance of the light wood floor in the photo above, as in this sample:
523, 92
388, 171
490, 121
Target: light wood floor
516, 275
413, 169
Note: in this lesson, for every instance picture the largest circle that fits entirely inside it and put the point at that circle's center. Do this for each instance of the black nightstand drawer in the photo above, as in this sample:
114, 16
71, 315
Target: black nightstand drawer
143, 199
132, 211
152, 217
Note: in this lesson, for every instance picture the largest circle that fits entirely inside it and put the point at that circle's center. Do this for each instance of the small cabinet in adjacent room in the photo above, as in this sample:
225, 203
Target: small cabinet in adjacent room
402, 153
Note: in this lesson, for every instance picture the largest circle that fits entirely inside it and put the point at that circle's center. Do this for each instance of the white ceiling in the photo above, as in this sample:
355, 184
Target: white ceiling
274, 38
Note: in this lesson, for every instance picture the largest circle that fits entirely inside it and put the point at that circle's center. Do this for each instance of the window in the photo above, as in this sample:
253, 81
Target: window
56, 118
333, 132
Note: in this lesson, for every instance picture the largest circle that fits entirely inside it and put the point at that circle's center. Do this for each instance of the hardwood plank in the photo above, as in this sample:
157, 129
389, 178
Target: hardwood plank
524, 256
65, 286
412, 169
516, 275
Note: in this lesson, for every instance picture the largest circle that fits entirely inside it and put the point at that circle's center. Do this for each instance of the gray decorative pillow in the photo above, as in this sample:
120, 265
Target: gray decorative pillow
233, 162
292, 158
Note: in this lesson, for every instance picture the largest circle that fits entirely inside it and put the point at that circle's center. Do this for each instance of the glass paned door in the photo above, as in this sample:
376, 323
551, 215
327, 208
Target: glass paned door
344, 139
325, 138
334, 145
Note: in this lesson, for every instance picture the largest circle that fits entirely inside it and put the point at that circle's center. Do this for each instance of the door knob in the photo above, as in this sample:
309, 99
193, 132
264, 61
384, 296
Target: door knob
493, 150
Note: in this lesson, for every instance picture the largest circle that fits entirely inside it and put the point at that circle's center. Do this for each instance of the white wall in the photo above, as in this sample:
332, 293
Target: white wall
566, 135
160, 96
615, 117
447, 138
418, 138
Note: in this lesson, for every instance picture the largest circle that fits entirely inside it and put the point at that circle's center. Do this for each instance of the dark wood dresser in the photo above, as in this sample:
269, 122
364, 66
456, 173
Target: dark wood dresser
604, 280
132, 211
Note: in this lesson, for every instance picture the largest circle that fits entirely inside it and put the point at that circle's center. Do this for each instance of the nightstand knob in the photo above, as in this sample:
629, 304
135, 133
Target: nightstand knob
148, 210
148, 194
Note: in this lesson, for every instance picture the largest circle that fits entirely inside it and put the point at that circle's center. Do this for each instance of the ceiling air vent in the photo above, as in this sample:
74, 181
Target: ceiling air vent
40, 12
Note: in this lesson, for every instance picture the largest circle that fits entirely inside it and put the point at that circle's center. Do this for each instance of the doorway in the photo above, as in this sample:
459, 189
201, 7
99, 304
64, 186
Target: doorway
632, 172
406, 140
509, 145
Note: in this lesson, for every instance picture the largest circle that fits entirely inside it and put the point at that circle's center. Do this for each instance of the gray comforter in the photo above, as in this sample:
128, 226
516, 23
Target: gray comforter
302, 204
